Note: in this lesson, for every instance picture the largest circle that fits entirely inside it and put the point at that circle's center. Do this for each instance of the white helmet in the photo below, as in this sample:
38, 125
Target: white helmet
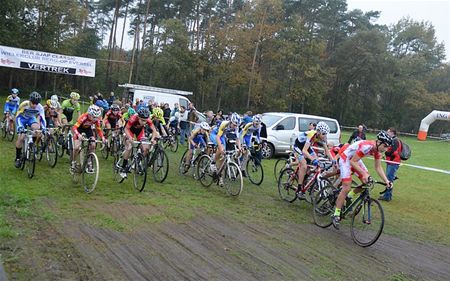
54, 98
322, 128
75, 95
257, 118
205, 126
94, 111
235, 118
53, 104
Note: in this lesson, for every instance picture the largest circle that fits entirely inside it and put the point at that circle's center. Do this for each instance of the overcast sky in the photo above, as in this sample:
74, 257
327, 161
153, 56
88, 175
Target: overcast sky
435, 11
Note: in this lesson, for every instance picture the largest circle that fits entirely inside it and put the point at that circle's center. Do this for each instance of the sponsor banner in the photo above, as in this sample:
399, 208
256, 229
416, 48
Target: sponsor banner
47, 62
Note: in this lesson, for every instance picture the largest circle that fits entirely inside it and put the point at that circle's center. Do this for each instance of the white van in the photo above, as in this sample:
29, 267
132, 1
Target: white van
283, 128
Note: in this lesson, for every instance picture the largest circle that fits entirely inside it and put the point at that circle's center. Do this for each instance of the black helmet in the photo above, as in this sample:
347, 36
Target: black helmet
385, 138
143, 112
35, 97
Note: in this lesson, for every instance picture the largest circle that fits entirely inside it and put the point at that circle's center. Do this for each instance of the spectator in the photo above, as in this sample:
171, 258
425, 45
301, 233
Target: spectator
210, 117
166, 113
393, 158
311, 126
192, 117
183, 124
247, 117
358, 134
111, 99
176, 108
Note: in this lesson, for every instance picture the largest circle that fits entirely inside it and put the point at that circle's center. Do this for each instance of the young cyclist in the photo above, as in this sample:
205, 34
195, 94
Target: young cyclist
136, 128
84, 125
112, 118
350, 162
69, 106
30, 114
158, 121
51, 113
303, 150
251, 129
11, 106
198, 138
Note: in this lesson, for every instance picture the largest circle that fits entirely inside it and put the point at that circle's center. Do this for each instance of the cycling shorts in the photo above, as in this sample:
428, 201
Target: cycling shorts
139, 133
198, 140
12, 109
22, 122
347, 170
299, 151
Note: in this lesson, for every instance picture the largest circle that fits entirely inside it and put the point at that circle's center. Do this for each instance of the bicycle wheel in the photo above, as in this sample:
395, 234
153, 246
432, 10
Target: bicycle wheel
117, 164
323, 205
254, 171
60, 142
4, 128
51, 152
287, 185
105, 151
232, 179
90, 172
39, 150
140, 172
204, 173
173, 143
160, 167
11, 133
182, 166
279, 166
367, 222
30, 161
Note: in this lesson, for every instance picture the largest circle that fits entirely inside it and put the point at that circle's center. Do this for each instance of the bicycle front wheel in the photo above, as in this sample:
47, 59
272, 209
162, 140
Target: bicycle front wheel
233, 179
323, 201
51, 151
278, 167
160, 167
255, 170
10, 132
105, 151
30, 160
182, 166
90, 172
204, 173
140, 172
4, 128
173, 143
60, 142
367, 222
287, 185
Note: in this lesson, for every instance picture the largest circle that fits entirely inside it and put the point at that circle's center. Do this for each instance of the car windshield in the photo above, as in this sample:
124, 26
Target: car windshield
270, 119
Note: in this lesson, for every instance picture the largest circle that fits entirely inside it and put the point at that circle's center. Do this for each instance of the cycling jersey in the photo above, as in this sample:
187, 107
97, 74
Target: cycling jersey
309, 137
112, 118
360, 148
84, 125
26, 115
133, 127
11, 104
227, 131
199, 138
68, 108
248, 131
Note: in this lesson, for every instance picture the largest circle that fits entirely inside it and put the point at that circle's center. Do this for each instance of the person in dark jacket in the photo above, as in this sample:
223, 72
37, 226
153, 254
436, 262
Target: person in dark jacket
167, 112
358, 134
393, 163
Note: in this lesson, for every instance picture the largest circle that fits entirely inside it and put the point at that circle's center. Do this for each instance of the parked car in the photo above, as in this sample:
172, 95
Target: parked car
446, 136
283, 128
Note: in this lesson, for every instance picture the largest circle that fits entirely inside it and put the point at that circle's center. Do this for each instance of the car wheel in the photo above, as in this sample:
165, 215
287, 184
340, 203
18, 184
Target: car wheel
267, 150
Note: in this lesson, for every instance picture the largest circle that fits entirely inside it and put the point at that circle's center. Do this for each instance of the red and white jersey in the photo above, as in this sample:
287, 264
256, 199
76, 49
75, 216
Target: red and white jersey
361, 148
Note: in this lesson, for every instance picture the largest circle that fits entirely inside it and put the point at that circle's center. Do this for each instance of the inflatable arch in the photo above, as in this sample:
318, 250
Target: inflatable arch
426, 122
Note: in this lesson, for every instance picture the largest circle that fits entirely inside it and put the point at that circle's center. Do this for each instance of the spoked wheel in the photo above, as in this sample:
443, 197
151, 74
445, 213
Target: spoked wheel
39, 149
30, 161
105, 151
204, 173
279, 166
233, 179
160, 167
140, 173
367, 222
60, 143
12, 132
4, 128
51, 152
181, 167
323, 205
287, 185
90, 172
173, 143
254, 170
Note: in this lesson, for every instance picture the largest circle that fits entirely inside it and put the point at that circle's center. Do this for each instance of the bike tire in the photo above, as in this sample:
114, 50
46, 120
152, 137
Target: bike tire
140, 172
105, 151
160, 166
60, 142
39, 152
364, 216
174, 143
255, 171
280, 164
10, 134
204, 173
51, 151
323, 205
89, 178
287, 185
31, 160
233, 179
4, 128
181, 166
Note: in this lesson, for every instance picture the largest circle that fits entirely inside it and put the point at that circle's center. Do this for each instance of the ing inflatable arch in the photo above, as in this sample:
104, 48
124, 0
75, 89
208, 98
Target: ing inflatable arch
426, 122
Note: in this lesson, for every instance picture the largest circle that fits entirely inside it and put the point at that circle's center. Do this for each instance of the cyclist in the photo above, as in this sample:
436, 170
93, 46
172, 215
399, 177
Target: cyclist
69, 106
84, 125
30, 114
51, 113
129, 111
227, 131
303, 151
250, 129
11, 106
112, 118
135, 127
350, 162
198, 139
158, 121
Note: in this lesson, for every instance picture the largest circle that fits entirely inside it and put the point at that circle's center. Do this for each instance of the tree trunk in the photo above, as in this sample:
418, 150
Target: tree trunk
144, 35
135, 44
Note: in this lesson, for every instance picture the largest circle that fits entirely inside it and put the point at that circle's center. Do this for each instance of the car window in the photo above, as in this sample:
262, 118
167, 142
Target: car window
287, 124
269, 119
303, 124
184, 103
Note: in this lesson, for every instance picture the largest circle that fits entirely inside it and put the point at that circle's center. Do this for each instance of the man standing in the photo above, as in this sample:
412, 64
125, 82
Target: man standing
393, 162
192, 117
358, 134
183, 124
111, 99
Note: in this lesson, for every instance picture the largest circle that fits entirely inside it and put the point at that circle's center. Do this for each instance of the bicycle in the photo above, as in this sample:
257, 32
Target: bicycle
283, 163
229, 170
48, 146
171, 141
184, 168
253, 168
366, 212
288, 181
158, 161
28, 158
8, 127
87, 167
116, 144
62, 139
138, 165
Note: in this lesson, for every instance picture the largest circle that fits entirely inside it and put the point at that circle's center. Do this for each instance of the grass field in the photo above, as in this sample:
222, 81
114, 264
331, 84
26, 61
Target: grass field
418, 212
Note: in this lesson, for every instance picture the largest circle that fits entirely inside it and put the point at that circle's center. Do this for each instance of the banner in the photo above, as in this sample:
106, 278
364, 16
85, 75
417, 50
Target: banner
47, 62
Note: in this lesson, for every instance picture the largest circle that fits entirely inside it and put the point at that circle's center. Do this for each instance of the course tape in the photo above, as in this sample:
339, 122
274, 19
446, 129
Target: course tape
418, 167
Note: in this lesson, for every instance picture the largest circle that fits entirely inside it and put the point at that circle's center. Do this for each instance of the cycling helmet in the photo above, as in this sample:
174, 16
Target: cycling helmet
235, 118
35, 97
94, 111
14, 91
205, 126
54, 98
52, 104
257, 118
322, 128
115, 107
75, 95
143, 112
385, 138
158, 112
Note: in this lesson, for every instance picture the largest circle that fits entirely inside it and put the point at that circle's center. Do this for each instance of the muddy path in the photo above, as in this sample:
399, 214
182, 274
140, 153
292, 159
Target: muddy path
219, 248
